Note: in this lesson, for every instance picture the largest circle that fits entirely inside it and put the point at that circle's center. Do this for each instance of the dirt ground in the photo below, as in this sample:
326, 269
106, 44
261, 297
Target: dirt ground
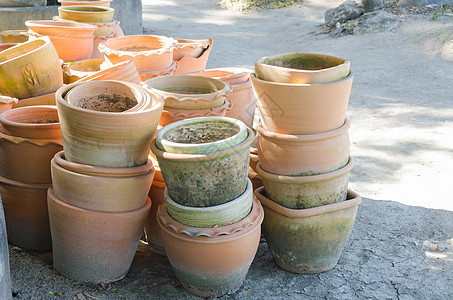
401, 110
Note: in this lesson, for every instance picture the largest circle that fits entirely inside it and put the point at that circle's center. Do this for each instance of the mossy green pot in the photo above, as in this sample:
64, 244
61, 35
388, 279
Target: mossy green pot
308, 240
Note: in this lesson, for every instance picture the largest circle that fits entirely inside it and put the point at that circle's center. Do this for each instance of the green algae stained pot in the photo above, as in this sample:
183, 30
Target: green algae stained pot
308, 240
201, 180
300, 192
92, 14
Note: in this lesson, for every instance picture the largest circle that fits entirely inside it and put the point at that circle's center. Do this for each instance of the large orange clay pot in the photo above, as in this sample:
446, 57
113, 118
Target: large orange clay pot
211, 261
105, 3
124, 71
92, 246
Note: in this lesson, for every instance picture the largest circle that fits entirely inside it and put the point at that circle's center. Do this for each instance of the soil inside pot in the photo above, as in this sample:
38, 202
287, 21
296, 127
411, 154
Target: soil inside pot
306, 62
138, 48
106, 102
201, 132
41, 118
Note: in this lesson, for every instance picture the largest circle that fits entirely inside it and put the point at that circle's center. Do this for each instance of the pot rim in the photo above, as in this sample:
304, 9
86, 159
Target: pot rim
305, 179
193, 113
8, 100
64, 24
5, 122
233, 73
253, 78
102, 171
353, 199
157, 73
14, 32
167, 43
274, 136
77, 9
103, 72
204, 156
40, 46
23, 185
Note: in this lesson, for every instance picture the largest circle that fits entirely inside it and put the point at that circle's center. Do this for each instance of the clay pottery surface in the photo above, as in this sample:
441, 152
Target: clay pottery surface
192, 48
302, 108
82, 68
92, 246
302, 68
201, 180
6, 46
308, 240
29, 138
46, 99
80, 13
255, 179
27, 221
105, 191
307, 191
149, 52
189, 92
301, 155
161, 72
170, 115
6, 103
201, 135
105, 3
212, 216
72, 40
30, 69
124, 71
211, 261
189, 64
105, 32
14, 36
99, 132
254, 158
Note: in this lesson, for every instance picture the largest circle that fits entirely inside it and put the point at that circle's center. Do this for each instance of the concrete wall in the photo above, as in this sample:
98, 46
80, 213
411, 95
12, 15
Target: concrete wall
129, 13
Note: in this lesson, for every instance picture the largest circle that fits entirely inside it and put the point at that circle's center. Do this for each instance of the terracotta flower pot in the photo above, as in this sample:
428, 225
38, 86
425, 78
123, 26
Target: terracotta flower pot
80, 13
108, 190
161, 72
255, 179
72, 40
79, 69
124, 71
14, 36
189, 92
30, 69
189, 64
302, 108
93, 134
149, 52
219, 176
254, 158
211, 261
302, 68
105, 32
201, 135
308, 240
192, 48
27, 221
212, 216
29, 138
92, 246
301, 155
307, 191
6, 103
46, 99
105, 3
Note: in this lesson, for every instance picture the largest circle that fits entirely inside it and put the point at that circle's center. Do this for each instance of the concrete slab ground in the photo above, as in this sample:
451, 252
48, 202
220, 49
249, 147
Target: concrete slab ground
401, 110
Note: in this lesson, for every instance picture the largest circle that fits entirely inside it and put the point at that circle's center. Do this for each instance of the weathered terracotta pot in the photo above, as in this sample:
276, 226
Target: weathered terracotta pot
201, 135
254, 158
219, 176
46, 99
144, 75
211, 261
255, 179
105, 3
189, 64
6, 103
189, 92
14, 36
302, 108
301, 155
105, 32
192, 48
92, 246
107, 190
74, 71
72, 40
27, 221
302, 68
212, 216
124, 71
307, 191
308, 240
29, 138
104, 138
30, 69
80, 13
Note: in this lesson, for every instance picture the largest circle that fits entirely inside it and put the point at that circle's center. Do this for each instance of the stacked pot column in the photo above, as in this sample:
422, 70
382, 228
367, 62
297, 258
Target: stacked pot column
99, 201
304, 162
210, 222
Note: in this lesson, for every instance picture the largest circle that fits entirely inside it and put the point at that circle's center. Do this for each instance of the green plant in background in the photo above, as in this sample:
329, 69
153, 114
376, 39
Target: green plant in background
52, 2
440, 11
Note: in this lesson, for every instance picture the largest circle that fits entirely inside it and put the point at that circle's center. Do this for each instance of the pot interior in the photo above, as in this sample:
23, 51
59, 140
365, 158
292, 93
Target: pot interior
91, 65
201, 132
20, 50
304, 61
87, 9
105, 102
39, 117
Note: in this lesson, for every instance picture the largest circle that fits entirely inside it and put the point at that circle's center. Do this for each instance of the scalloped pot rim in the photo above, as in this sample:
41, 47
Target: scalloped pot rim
168, 44
254, 77
193, 113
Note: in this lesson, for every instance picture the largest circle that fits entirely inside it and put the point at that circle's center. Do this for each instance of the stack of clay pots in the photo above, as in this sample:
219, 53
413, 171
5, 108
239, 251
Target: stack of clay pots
99, 201
304, 162
210, 223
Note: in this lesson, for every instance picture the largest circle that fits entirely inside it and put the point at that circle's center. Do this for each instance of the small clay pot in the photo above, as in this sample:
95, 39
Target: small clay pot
299, 192
124, 71
308, 240
6, 103
302, 68
189, 64
92, 246
14, 36
80, 13
192, 48
105, 3
211, 261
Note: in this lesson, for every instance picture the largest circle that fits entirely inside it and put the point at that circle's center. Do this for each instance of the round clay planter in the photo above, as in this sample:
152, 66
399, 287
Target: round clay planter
106, 138
302, 108
27, 221
212, 261
105, 32
92, 246
92, 14
192, 48
29, 138
308, 240
74, 71
124, 71
72, 40
107, 192
299, 192
189, 64
14, 36
302, 68
149, 52
302, 155
105, 3
201, 180
32, 68
6, 103
212, 216
201, 135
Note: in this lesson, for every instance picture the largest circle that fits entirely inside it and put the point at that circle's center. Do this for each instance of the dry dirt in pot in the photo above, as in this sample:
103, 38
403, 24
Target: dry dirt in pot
203, 132
106, 103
